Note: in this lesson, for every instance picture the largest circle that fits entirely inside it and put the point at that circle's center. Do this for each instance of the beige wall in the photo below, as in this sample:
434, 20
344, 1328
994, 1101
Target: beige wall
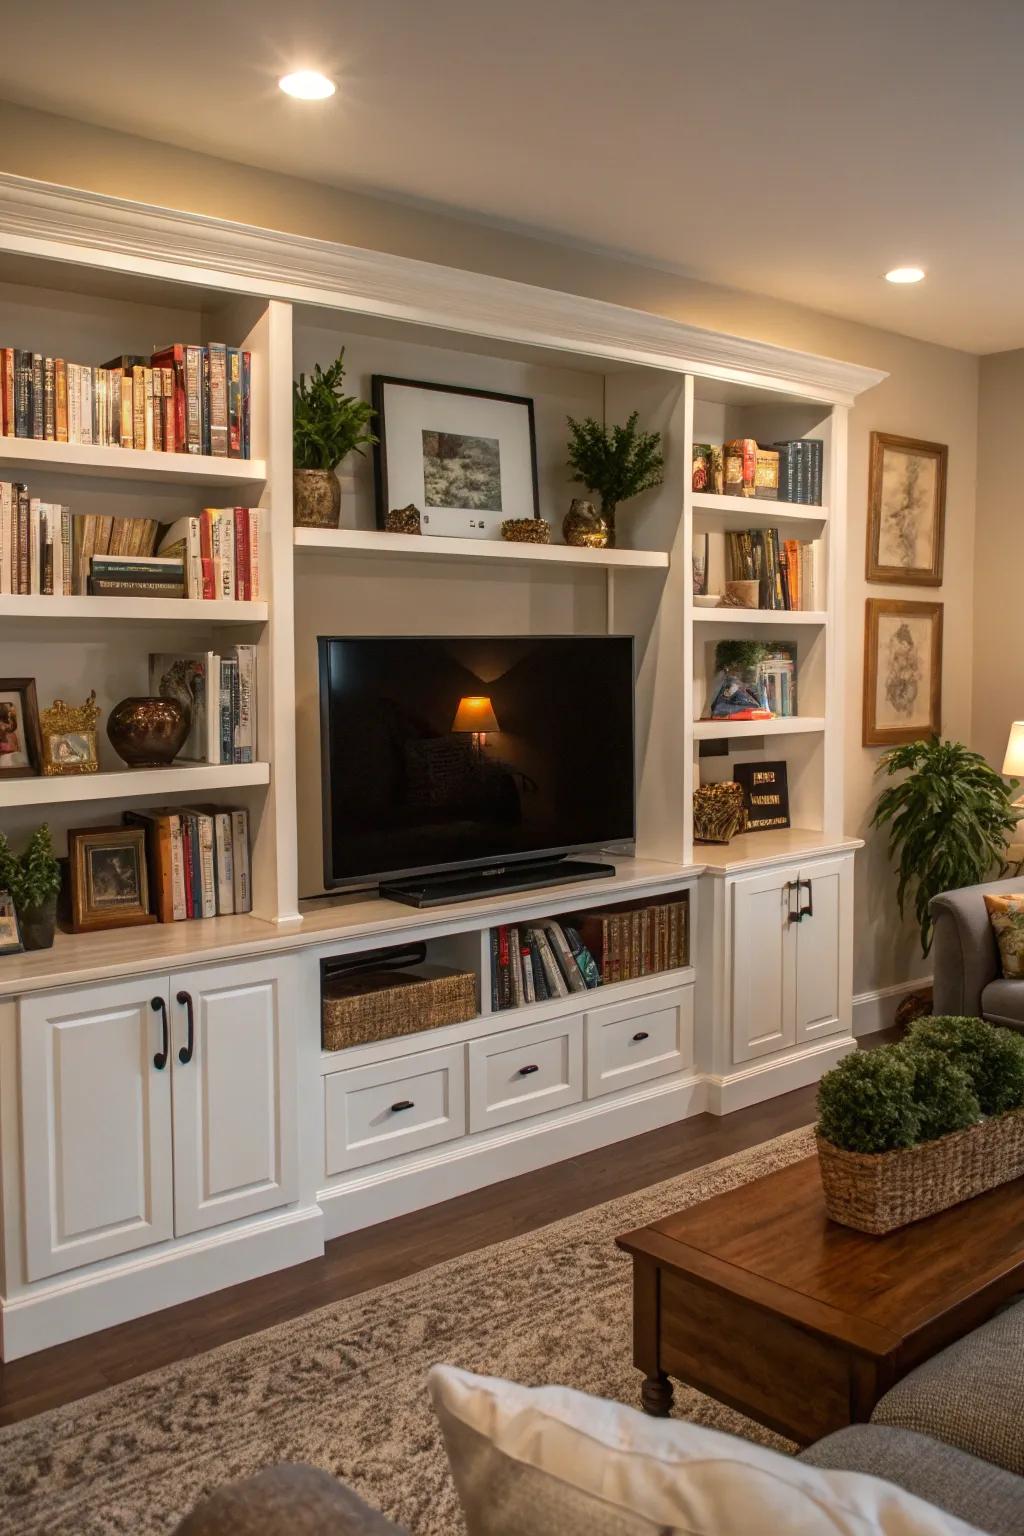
998, 654
932, 392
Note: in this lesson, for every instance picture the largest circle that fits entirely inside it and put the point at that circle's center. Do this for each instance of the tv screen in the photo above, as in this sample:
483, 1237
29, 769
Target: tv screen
459, 752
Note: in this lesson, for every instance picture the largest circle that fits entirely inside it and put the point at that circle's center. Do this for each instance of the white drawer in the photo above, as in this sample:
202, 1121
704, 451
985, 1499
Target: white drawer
631, 1042
402, 1105
524, 1072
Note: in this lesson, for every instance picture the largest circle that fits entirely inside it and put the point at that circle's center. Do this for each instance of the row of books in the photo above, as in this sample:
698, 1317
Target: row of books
199, 860
784, 471
630, 942
221, 693
530, 965
222, 553
784, 568
801, 468
182, 399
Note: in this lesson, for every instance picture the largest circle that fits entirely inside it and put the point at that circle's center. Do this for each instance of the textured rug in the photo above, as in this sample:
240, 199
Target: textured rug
343, 1387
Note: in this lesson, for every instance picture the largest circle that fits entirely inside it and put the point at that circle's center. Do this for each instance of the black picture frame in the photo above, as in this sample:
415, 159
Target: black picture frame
758, 782
378, 385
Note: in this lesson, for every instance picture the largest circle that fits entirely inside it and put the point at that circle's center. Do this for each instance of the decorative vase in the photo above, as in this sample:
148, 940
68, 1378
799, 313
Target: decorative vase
316, 498
526, 530
584, 527
148, 732
38, 924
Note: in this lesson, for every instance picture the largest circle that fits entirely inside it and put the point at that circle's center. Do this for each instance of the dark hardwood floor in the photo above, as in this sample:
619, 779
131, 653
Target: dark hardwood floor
387, 1252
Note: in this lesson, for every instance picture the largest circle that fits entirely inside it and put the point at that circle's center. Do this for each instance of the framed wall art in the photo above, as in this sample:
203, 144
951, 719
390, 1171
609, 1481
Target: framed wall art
467, 458
108, 879
902, 671
10, 933
21, 749
906, 510
69, 737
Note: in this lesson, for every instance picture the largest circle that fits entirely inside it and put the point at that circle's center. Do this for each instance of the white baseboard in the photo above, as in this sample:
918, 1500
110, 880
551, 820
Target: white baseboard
762, 1080
78, 1304
873, 1011
418, 1180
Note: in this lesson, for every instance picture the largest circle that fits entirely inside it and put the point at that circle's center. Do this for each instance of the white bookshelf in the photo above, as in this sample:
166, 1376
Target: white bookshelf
740, 730
797, 519
140, 610
762, 618
27, 454
126, 783
355, 542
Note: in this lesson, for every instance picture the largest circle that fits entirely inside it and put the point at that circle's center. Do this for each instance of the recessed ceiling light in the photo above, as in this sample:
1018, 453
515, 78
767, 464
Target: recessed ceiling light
904, 275
307, 85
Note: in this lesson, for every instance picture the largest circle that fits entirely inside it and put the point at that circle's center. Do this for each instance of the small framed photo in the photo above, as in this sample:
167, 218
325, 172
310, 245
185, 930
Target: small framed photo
10, 933
69, 737
466, 457
21, 749
902, 672
108, 879
906, 510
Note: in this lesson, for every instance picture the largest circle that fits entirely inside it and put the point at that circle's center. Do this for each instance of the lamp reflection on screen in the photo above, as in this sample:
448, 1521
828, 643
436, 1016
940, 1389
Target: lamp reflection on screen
475, 715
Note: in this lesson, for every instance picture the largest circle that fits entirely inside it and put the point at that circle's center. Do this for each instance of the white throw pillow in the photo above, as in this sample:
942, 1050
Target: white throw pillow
548, 1461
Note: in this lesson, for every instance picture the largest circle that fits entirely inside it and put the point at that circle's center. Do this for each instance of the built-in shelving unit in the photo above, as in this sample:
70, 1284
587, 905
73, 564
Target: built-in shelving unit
765, 618
140, 610
354, 542
27, 454
126, 783
739, 730
752, 512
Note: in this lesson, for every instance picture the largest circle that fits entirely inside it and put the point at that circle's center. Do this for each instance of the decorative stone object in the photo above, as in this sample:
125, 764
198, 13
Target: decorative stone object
741, 594
584, 527
316, 498
526, 530
403, 519
148, 732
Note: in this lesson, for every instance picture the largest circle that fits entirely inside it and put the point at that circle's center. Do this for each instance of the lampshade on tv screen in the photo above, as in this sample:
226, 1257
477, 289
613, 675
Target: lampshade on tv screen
441, 753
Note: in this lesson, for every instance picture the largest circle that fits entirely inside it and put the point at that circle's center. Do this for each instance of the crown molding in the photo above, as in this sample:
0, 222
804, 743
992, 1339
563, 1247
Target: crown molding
91, 228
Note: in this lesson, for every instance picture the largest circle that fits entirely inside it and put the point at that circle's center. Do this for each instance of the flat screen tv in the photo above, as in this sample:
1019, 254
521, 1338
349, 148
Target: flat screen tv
444, 754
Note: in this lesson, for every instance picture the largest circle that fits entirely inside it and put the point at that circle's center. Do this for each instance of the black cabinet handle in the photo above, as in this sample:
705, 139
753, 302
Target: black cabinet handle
159, 1006
641, 1034
402, 1104
807, 911
789, 887
525, 1071
188, 1049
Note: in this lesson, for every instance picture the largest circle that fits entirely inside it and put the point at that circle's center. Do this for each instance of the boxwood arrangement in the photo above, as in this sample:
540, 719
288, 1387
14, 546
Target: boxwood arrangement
947, 1074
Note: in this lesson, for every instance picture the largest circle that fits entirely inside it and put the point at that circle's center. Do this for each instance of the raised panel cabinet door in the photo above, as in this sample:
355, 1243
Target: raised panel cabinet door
823, 939
763, 1005
234, 1091
95, 1100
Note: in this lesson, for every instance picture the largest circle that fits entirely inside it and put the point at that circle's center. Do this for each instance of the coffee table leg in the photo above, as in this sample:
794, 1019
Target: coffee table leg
656, 1395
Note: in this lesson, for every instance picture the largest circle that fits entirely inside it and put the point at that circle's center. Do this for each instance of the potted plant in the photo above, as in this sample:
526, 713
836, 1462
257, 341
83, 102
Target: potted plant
32, 880
614, 463
947, 821
327, 425
907, 1130
734, 689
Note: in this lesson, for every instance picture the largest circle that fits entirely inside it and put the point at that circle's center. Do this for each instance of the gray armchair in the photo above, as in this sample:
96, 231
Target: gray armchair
968, 979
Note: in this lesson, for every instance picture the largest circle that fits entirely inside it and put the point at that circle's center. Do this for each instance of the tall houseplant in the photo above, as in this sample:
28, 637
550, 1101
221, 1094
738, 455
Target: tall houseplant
947, 820
614, 463
327, 425
32, 880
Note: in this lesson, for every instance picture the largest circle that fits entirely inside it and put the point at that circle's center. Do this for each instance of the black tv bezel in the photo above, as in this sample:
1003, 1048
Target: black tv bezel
533, 855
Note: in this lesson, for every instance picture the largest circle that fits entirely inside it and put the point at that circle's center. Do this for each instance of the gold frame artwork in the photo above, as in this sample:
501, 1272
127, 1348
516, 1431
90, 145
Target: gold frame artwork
61, 721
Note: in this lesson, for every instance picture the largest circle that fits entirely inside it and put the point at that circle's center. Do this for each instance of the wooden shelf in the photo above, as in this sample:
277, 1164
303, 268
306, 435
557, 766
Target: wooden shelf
139, 609
752, 512
126, 783
777, 846
735, 730
129, 463
361, 541
773, 618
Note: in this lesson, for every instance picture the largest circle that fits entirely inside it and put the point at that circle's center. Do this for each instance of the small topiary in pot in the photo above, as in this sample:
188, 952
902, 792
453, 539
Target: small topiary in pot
992, 1058
943, 1093
866, 1103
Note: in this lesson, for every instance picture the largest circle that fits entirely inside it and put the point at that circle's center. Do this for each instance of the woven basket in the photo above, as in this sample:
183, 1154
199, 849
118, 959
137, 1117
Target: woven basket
379, 1005
879, 1191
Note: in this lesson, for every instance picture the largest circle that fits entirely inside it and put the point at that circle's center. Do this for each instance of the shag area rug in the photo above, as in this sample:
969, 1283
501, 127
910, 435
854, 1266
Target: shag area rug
344, 1387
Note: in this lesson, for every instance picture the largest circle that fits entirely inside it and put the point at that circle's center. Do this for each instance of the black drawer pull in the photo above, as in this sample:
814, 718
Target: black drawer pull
187, 1051
160, 1059
402, 1104
525, 1071
641, 1034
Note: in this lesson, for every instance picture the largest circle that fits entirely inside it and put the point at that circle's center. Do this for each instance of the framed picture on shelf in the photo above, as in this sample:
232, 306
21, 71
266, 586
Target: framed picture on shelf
765, 789
10, 933
69, 737
466, 457
108, 880
906, 510
21, 748
902, 671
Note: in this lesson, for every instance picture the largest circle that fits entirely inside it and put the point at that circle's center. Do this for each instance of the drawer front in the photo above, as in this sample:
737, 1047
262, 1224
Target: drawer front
372, 1113
630, 1043
524, 1072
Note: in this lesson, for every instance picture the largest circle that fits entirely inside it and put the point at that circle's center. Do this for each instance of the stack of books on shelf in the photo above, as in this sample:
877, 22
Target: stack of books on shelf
223, 552
784, 568
198, 860
787, 471
635, 941
182, 399
801, 464
221, 693
532, 964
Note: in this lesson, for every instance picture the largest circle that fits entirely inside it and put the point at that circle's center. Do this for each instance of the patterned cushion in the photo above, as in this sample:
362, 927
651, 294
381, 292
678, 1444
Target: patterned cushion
1006, 914
971, 1395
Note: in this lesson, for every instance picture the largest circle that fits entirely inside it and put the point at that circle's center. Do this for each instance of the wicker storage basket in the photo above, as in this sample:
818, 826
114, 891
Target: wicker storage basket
880, 1191
378, 1005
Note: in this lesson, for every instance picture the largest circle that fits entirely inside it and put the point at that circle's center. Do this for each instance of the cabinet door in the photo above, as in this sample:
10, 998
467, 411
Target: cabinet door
235, 1109
763, 1005
821, 937
96, 1124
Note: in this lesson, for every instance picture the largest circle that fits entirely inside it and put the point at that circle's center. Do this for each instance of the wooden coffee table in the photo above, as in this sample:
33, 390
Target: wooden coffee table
756, 1298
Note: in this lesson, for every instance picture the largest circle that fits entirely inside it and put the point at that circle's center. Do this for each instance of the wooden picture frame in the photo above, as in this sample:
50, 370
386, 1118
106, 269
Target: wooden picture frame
906, 510
902, 671
69, 737
21, 745
108, 878
10, 930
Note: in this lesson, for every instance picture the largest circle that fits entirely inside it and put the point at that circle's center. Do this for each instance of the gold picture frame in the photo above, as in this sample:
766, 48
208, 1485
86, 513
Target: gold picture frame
906, 510
108, 878
69, 737
902, 672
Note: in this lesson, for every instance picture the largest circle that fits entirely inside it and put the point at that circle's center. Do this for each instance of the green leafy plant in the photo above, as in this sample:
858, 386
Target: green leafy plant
947, 821
992, 1058
33, 877
944, 1095
326, 423
866, 1103
739, 655
614, 463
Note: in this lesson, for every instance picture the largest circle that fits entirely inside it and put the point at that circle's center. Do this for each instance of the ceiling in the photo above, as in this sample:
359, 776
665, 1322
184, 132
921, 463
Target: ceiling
795, 148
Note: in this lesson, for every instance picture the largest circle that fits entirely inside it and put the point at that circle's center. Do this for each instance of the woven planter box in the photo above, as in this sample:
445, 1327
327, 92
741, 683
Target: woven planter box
379, 1005
879, 1191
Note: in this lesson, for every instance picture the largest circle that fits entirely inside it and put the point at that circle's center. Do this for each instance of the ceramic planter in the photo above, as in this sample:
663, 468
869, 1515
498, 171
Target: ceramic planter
316, 498
38, 924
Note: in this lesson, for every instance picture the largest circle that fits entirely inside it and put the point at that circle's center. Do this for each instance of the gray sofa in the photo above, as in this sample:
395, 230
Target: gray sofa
968, 979
951, 1432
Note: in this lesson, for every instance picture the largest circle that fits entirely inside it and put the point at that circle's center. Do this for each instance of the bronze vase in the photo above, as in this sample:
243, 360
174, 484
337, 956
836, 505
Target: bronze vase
316, 498
148, 732
584, 527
